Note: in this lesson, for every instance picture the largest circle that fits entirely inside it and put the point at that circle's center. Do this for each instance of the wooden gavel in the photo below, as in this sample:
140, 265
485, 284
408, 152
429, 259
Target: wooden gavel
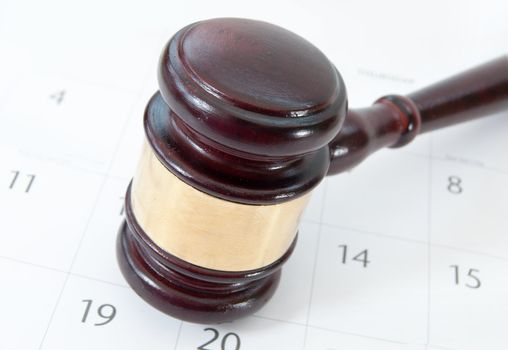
248, 120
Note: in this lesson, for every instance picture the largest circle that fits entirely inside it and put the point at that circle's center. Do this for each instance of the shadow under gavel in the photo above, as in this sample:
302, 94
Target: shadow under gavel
248, 120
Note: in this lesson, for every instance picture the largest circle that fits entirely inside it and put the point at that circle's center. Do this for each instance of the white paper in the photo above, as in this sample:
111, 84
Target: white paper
425, 227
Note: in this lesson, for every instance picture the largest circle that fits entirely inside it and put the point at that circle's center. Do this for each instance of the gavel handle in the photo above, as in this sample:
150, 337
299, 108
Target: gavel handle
394, 121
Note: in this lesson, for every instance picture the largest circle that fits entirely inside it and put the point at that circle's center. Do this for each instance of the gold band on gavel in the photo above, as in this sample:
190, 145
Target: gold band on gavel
207, 231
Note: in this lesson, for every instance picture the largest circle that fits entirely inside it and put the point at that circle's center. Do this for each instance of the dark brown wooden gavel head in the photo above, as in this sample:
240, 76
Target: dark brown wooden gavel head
248, 120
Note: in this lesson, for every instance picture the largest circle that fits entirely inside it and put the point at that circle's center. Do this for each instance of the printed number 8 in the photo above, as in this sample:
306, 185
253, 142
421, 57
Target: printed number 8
454, 183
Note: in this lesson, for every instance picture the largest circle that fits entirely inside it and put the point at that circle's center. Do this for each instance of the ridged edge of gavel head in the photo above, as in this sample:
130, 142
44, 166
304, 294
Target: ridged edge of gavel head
252, 87
236, 136
245, 111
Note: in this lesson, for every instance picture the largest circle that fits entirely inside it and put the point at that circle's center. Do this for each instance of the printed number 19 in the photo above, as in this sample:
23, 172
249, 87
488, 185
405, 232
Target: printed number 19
102, 311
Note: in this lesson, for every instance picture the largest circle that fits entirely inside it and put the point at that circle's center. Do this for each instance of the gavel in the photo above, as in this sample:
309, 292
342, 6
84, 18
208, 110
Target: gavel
248, 120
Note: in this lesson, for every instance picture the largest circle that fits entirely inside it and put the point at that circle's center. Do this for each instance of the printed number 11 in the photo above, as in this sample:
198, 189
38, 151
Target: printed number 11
15, 179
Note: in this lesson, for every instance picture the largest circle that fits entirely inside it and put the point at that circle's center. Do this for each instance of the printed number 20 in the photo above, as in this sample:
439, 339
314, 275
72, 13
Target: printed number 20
224, 342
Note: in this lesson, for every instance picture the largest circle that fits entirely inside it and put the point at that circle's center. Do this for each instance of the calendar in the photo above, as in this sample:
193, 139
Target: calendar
407, 251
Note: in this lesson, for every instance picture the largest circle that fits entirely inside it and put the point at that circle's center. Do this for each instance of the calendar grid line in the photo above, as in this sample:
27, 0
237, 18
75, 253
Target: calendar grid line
382, 262
409, 240
331, 330
367, 232
115, 153
463, 161
296, 323
178, 335
429, 241
314, 267
255, 315
351, 333
361, 335
92, 214
464, 250
84, 170
101, 84
23, 262
442, 347
77, 168
53, 311
79, 275
19, 261
446, 158
6, 95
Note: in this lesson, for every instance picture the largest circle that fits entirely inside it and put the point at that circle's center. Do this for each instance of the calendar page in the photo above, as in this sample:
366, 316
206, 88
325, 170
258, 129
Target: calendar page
407, 251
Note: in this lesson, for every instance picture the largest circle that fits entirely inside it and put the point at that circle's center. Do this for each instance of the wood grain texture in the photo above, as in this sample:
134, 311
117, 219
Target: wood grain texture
223, 173
394, 120
252, 87
475, 93
184, 290
251, 114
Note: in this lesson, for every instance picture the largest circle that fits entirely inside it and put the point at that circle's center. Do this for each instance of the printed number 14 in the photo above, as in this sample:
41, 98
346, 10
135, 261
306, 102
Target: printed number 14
362, 257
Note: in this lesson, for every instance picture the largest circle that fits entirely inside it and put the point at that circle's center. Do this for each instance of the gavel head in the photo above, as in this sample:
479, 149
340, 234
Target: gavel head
236, 139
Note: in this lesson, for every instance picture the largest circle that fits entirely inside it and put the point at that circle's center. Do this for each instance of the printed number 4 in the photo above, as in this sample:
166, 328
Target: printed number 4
58, 96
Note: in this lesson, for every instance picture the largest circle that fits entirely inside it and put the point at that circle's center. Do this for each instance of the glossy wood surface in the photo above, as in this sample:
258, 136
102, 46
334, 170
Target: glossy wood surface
250, 113
245, 111
478, 92
220, 172
394, 121
252, 87
187, 291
